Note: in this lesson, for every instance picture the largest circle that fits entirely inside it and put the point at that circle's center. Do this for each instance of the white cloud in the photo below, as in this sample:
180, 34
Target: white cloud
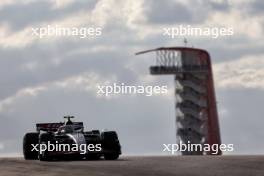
61, 3
4, 3
2, 146
114, 12
30, 66
246, 72
15, 39
26, 92
86, 82
250, 26
55, 3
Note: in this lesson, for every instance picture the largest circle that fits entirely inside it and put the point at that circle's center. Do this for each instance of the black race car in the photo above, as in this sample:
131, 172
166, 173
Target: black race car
68, 140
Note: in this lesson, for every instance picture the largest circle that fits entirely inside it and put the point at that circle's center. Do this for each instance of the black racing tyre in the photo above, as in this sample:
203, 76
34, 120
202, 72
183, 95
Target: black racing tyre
29, 140
43, 139
110, 140
111, 145
93, 156
111, 156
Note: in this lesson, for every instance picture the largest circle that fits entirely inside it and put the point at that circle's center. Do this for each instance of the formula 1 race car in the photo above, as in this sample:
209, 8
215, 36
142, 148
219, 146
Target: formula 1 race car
68, 140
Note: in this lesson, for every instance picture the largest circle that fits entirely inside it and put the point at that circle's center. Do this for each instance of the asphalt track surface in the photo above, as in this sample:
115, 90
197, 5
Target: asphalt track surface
139, 166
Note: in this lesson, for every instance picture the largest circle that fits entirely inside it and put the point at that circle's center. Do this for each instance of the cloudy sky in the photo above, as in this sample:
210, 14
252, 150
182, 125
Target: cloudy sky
43, 79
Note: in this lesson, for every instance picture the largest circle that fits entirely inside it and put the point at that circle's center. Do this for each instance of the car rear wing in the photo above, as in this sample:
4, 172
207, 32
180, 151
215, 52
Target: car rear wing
52, 127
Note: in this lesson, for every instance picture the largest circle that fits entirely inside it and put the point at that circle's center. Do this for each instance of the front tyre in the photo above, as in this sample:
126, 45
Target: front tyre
110, 145
93, 156
111, 156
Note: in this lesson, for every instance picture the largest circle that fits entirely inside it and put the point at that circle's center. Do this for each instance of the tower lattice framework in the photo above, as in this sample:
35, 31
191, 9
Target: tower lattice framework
196, 111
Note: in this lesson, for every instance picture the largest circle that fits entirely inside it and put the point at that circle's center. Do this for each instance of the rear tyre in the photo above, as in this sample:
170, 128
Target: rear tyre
29, 140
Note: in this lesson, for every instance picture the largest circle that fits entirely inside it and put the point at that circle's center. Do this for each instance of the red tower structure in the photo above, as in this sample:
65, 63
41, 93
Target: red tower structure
196, 111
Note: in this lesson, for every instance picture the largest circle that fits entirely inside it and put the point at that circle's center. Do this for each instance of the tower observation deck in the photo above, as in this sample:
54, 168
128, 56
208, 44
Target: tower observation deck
196, 111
